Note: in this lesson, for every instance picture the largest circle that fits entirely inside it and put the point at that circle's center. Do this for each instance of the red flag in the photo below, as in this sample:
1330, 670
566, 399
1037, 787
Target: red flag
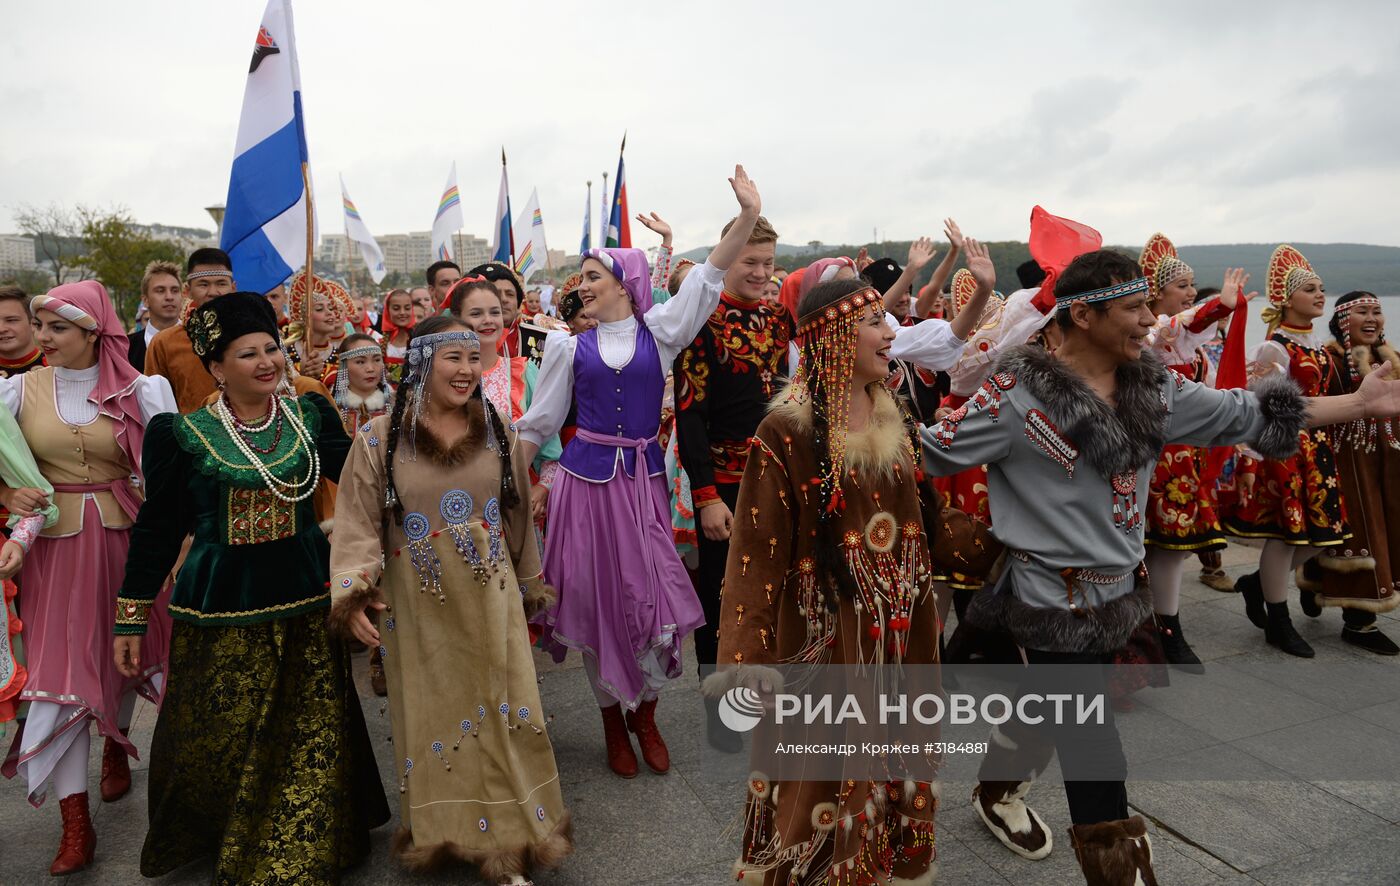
1230, 374
1054, 243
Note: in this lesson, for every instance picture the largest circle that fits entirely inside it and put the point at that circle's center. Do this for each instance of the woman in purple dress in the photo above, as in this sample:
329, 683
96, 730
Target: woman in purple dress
625, 600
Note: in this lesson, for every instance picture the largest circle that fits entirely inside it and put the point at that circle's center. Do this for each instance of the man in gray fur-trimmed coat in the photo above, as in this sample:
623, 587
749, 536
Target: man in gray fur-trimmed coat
1070, 441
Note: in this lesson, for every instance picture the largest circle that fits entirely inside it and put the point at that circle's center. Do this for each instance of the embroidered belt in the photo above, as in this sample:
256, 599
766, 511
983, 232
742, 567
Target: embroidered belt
1088, 576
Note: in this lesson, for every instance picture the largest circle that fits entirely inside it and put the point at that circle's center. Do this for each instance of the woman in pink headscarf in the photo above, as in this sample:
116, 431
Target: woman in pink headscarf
84, 417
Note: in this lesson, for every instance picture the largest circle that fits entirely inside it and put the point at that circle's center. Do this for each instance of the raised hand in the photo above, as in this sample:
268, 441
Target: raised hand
1232, 290
657, 224
979, 264
1380, 394
953, 233
862, 259
920, 253
746, 192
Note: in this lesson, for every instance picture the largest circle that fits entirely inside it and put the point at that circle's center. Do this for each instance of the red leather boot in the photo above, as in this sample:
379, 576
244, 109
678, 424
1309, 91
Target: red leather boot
116, 770
643, 723
79, 842
621, 758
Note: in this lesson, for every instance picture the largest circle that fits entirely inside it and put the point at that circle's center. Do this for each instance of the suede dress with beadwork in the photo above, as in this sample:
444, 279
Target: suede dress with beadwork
260, 760
473, 762
774, 612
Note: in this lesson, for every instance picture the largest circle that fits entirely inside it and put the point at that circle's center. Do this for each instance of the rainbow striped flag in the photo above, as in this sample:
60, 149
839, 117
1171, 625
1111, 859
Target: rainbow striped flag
358, 232
534, 254
449, 217
350, 210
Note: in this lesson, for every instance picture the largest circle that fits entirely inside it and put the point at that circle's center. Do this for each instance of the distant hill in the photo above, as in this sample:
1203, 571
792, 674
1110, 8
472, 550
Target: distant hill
1343, 266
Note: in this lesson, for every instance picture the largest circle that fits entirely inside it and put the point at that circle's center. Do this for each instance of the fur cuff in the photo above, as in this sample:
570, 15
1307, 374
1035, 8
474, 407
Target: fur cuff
537, 597
1104, 629
1334, 563
1285, 415
346, 600
728, 677
925, 879
495, 864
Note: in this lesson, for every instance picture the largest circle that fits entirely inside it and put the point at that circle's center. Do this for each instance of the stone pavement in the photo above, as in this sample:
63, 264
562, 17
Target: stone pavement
1274, 828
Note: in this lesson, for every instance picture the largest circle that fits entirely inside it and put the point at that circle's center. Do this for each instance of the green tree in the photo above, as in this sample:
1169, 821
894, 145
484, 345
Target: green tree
117, 254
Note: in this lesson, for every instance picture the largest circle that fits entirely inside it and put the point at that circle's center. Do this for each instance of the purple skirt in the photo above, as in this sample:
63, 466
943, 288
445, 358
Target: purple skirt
624, 595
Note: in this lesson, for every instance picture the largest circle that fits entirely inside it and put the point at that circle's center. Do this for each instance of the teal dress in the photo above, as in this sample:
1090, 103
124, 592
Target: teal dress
260, 759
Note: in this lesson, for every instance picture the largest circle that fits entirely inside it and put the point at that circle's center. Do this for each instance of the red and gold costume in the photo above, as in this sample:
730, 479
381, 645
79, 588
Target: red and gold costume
967, 490
1296, 499
33, 360
1181, 515
294, 336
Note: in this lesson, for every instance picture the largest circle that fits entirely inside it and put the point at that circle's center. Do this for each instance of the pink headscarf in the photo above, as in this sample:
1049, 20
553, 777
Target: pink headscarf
85, 304
822, 270
630, 267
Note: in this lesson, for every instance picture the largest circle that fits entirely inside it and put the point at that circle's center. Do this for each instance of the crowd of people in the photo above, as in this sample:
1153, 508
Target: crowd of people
217, 510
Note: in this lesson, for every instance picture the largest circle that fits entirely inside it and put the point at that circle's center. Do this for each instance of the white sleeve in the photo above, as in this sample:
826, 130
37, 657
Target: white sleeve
12, 393
928, 345
1172, 339
553, 393
675, 323
1018, 321
155, 396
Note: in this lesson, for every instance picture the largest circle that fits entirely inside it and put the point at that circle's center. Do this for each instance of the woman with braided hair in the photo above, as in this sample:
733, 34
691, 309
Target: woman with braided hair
433, 532
1368, 466
829, 565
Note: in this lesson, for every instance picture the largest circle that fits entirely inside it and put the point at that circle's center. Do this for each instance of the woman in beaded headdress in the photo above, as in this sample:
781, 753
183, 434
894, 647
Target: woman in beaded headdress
1181, 514
433, 532
84, 417
829, 565
360, 383
260, 731
1295, 503
331, 308
625, 601
1362, 582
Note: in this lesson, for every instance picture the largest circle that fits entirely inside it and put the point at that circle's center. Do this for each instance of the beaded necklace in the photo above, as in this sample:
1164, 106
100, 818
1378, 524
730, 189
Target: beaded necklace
296, 490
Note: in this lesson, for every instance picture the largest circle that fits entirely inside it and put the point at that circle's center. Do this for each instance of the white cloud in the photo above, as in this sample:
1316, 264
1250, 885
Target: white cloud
1213, 122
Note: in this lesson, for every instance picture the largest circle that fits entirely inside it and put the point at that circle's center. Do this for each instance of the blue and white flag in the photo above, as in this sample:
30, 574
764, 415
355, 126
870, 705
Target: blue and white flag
265, 216
503, 249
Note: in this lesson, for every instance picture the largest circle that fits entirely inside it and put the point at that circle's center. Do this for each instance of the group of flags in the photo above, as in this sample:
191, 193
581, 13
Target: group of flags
269, 223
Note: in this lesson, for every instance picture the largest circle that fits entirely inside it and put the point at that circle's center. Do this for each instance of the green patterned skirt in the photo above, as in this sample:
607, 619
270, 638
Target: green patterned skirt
260, 758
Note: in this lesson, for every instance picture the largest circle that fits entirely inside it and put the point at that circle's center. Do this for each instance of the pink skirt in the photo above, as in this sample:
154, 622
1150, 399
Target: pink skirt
625, 599
68, 602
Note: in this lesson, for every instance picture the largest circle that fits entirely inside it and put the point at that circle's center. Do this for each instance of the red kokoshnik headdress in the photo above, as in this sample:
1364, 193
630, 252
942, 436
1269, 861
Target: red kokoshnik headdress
1161, 265
1288, 270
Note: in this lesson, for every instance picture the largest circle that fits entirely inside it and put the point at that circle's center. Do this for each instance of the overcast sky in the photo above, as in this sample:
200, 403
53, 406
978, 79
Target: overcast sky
1211, 121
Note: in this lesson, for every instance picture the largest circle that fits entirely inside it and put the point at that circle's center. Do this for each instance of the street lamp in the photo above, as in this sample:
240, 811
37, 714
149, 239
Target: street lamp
217, 213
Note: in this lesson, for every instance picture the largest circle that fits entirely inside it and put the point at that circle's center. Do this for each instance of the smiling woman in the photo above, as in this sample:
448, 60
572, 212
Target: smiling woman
257, 684
84, 417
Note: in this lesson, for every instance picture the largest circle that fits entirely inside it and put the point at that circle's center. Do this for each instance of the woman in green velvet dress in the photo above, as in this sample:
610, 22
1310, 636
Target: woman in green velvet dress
260, 758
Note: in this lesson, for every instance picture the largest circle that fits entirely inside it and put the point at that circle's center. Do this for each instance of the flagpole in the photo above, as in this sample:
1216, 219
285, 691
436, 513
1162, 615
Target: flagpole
510, 222
310, 256
607, 213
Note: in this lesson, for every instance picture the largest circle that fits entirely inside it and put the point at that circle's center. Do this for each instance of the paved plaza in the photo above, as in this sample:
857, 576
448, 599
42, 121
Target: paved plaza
1256, 811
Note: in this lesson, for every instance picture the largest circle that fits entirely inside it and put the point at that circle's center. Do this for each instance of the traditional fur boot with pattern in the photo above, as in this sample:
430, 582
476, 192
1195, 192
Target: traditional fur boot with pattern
1114, 853
1002, 807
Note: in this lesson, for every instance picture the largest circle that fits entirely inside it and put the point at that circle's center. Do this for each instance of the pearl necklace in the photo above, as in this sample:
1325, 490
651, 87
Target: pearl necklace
254, 429
306, 485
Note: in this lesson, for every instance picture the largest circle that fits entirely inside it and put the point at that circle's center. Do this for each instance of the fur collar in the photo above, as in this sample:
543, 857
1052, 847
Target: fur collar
1363, 357
373, 403
432, 448
1113, 440
872, 452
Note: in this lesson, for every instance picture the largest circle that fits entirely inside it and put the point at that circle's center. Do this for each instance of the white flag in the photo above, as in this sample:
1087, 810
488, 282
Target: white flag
358, 231
448, 219
531, 252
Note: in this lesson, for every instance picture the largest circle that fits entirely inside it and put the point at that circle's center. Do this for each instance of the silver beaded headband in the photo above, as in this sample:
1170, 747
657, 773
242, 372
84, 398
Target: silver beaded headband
419, 357
342, 376
1107, 293
1366, 301
212, 272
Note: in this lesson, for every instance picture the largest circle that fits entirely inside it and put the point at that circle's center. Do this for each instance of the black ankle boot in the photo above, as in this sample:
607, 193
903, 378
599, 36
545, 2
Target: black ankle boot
1248, 586
1279, 631
1178, 652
